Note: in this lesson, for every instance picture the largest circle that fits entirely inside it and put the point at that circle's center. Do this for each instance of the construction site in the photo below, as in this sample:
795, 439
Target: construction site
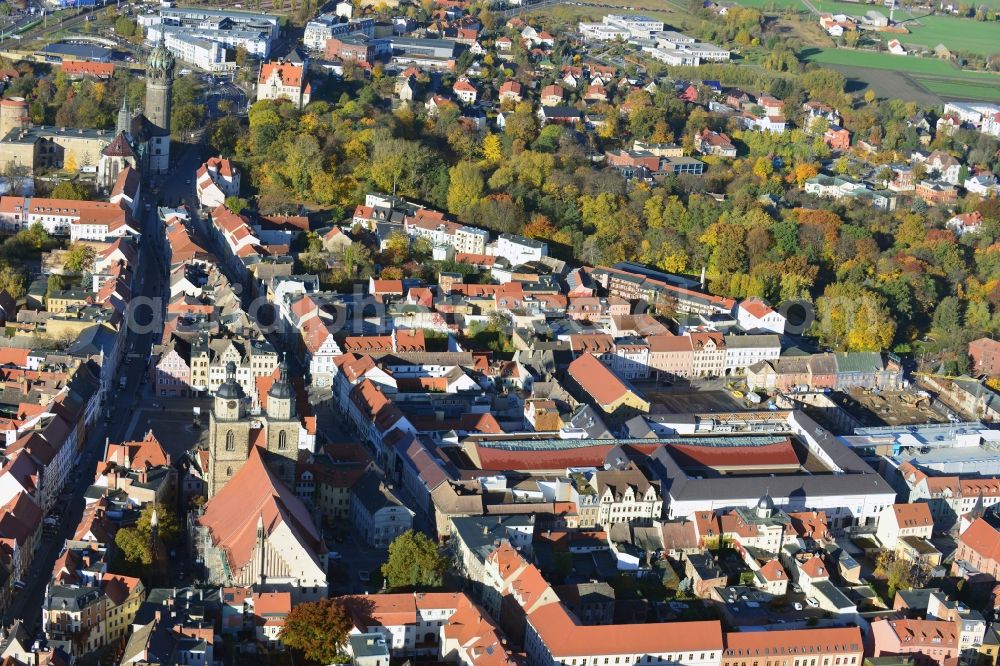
889, 408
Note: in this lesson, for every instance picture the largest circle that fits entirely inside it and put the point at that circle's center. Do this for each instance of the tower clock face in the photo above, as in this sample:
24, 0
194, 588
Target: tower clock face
231, 404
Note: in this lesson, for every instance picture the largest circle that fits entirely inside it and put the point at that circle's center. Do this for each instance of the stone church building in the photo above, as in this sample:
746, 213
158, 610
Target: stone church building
232, 433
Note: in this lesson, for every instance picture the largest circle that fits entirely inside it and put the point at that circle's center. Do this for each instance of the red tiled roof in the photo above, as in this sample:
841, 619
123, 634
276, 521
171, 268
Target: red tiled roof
756, 307
290, 74
564, 638
254, 493
597, 380
983, 539
913, 515
101, 70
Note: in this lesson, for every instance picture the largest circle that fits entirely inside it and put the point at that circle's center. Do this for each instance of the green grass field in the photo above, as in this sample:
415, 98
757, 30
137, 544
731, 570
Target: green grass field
934, 76
908, 64
955, 33
973, 90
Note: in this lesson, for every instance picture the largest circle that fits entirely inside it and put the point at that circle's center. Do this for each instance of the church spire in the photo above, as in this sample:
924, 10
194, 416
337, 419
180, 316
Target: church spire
124, 118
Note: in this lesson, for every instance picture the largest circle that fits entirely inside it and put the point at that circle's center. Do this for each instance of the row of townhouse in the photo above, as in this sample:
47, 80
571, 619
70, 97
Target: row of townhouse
634, 286
419, 222
635, 352
450, 627
93, 316
79, 220
826, 371
949, 496
87, 605
43, 443
191, 366
703, 354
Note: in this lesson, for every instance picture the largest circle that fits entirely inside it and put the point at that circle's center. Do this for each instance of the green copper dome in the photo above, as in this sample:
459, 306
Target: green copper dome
160, 58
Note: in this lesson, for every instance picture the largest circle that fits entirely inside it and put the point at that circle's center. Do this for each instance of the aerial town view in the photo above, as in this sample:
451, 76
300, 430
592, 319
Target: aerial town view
500, 332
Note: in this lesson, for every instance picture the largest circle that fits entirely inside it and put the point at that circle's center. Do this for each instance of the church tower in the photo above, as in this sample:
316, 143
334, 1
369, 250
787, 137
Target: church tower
282, 428
228, 433
159, 84
124, 123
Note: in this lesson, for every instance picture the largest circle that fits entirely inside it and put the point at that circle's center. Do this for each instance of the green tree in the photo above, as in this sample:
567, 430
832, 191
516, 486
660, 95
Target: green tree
355, 257
415, 561
465, 189
899, 573
312, 243
53, 284
79, 258
853, 318
125, 27
241, 56
12, 281
319, 629
134, 547
186, 118
397, 248
68, 189
226, 132
947, 320
236, 204
136, 542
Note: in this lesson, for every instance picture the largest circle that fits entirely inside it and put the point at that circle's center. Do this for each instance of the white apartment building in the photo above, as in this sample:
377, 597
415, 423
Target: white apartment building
631, 359
754, 314
202, 53
638, 26
675, 57
216, 179
518, 249
325, 26
626, 496
64, 217
600, 32
708, 51
971, 112
742, 351
95, 230
470, 240
904, 520
322, 353
256, 42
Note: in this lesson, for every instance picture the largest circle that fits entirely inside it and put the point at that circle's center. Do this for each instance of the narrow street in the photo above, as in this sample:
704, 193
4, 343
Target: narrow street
121, 406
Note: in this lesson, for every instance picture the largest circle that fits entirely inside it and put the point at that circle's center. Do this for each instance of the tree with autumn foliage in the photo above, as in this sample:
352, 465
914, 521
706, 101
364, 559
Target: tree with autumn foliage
853, 318
319, 630
539, 227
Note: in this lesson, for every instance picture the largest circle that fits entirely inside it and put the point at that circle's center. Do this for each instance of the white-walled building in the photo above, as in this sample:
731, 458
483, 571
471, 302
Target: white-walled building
518, 249
756, 315
742, 351
377, 514
284, 80
553, 638
216, 179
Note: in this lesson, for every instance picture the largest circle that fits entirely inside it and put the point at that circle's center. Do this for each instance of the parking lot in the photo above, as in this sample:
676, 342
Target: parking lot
678, 402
